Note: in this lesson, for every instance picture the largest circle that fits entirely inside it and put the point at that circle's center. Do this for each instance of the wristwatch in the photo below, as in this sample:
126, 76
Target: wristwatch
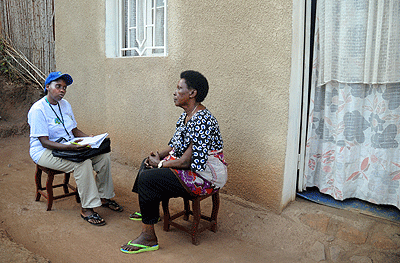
160, 163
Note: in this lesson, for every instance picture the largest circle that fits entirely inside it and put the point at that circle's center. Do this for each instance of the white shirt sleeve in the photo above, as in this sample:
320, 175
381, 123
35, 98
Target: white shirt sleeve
37, 122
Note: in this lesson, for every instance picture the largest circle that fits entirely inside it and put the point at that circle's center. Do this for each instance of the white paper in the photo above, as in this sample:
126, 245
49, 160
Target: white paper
94, 141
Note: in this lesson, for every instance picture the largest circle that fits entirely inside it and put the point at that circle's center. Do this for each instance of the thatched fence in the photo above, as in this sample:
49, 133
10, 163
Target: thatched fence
27, 36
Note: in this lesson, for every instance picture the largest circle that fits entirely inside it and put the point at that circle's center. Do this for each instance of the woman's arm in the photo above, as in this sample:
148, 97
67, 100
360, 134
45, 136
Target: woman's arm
78, 133
181, 163
46, 143
165, 153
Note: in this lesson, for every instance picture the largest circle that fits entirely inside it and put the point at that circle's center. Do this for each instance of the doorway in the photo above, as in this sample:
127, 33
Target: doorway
349, 131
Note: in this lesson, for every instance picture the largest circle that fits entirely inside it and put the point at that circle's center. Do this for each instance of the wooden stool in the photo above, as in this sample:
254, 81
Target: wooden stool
47, 191
193, 230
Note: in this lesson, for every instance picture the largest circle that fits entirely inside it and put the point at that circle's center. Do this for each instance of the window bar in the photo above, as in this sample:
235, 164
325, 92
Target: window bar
133, 27
165, 27
137, 22
128, 25
153, 21
142, 27
121, 28
147, 9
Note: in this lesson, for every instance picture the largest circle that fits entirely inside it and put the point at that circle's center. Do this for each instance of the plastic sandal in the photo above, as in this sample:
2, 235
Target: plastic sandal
111, 204
143, 248
95, 216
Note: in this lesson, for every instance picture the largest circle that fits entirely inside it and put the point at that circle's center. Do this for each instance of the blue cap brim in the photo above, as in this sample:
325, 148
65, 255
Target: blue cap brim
58, 75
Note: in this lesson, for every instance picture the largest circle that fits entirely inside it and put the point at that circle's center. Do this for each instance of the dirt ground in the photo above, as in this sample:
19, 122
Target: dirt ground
303, 232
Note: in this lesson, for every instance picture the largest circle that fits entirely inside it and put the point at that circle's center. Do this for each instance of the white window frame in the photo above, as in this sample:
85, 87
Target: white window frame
142, 30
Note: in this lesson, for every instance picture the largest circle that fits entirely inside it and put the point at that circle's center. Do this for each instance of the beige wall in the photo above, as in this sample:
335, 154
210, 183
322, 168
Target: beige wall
242, 47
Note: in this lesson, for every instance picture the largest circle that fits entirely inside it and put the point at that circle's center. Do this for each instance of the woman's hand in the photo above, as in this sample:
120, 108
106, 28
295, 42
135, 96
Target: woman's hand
156, 158
60, 146
181, 163
75, 146
153, 160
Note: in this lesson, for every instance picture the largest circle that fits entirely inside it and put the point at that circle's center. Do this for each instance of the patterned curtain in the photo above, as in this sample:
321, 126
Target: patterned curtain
354, 121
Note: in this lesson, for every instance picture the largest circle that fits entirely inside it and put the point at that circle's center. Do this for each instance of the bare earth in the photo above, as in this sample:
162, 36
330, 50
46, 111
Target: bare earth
304, 232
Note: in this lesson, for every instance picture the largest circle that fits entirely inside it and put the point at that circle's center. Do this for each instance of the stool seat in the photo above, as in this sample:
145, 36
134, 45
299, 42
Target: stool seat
47, 192
193, 230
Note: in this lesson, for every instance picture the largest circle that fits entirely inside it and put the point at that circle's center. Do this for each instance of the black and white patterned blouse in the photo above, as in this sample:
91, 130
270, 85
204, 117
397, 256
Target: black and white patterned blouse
203, 130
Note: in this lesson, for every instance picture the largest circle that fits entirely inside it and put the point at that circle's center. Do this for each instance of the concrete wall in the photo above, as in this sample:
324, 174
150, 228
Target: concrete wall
242, 47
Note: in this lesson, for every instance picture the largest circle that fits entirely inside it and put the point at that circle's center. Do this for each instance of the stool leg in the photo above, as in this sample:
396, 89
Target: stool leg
77, 197
165, 204
67, 176
49, 188
66, 182
196, 220
187, 209
214, 213
38, 180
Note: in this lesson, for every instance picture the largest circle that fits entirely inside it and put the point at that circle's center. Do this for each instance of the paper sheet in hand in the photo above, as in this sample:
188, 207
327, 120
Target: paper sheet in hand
94, 141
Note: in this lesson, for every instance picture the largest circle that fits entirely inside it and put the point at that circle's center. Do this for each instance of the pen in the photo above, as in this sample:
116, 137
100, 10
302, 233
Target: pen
80, 144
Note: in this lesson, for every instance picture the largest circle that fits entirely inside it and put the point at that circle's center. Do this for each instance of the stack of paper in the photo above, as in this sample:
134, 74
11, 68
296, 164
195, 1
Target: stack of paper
94, 141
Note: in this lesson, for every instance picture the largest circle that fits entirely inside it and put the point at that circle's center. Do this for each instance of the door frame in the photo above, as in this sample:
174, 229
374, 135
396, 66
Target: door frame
298, 101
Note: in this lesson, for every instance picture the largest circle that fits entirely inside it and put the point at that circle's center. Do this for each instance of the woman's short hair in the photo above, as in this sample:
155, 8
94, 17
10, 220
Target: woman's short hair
197, 81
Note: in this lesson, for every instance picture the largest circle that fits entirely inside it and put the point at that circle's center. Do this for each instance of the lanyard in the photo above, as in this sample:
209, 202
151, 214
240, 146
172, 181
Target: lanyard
62, 118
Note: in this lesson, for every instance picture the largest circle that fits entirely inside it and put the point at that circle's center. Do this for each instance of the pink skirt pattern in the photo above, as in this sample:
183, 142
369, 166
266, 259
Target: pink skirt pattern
194, 182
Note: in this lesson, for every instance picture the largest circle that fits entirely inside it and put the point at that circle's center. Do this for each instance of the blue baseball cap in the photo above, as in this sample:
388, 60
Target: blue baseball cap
57, 75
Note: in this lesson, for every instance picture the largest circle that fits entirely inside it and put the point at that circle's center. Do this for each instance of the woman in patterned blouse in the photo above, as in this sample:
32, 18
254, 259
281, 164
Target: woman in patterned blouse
193, 164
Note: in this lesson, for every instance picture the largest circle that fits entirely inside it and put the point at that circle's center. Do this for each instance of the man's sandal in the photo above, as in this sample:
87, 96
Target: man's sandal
142, 248
94, 219
138, 217
113, 206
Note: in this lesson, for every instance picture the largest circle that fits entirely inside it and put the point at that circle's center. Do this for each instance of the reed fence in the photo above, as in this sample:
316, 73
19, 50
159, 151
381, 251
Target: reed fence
27, 34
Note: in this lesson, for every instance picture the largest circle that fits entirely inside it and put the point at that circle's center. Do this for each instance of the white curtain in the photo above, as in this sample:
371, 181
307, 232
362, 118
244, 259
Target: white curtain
359, 41
354, 122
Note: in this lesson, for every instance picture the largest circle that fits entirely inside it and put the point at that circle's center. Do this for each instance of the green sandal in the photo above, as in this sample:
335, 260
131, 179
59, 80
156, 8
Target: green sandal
138, 217
143, 248
135, 216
